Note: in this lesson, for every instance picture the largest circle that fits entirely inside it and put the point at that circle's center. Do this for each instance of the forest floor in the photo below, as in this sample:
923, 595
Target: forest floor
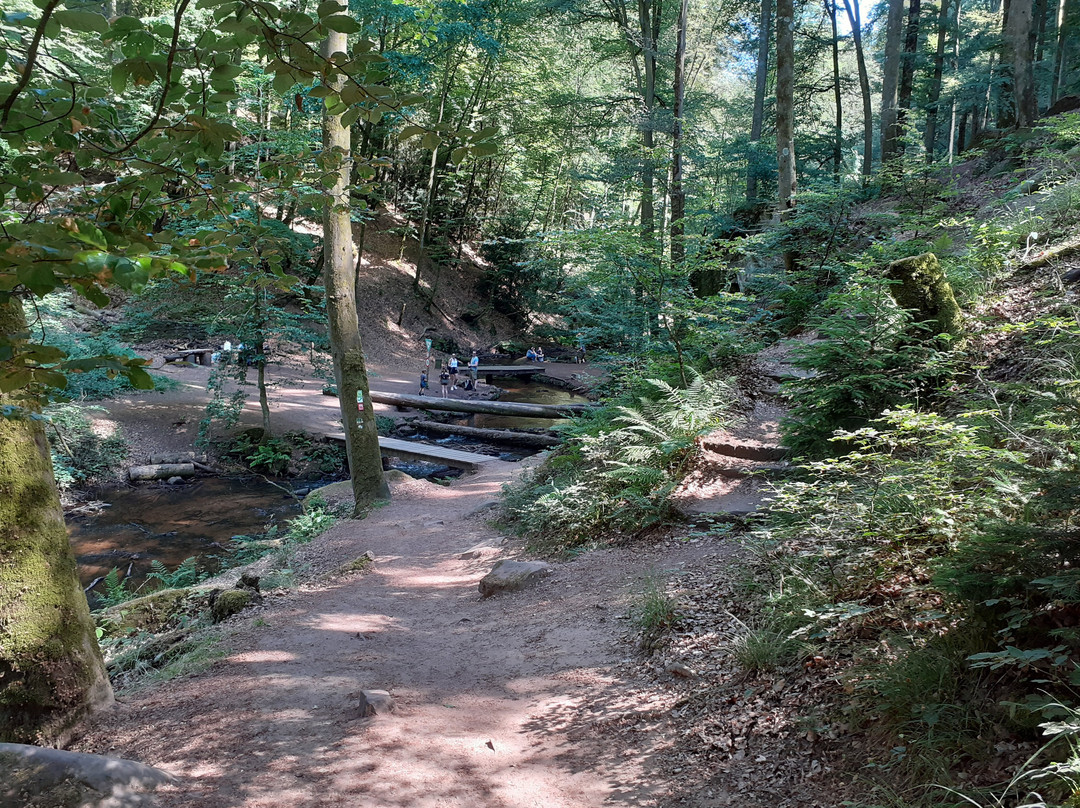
534, 698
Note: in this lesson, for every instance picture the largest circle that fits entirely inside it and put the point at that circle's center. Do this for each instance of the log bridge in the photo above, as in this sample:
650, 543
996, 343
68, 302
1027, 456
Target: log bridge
513, 408
490, 372
424, 452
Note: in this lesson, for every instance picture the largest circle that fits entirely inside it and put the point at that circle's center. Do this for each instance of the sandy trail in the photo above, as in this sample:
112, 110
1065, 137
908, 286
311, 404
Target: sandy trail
500, 702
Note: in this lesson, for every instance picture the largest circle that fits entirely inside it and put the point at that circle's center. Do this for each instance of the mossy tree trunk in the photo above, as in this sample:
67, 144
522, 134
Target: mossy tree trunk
51, 670
921, 287
350, 370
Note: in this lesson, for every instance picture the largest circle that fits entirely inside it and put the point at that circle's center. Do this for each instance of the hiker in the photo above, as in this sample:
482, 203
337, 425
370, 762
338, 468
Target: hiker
474, 367
539, 354
444, 380
423, 381
453, 370
530, 355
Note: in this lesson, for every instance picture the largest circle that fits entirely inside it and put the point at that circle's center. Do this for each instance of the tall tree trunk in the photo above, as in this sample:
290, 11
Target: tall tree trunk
648, 173
954, 66
678, 195
838, 131
890, 81
785, 109
907, 72
51, 671
1021, 35
346, 347
1006, 111
1066, 11
852, 9
762, 78
930, 135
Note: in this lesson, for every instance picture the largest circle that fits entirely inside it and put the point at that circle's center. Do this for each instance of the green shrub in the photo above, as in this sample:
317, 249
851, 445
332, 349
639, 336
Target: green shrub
863, 364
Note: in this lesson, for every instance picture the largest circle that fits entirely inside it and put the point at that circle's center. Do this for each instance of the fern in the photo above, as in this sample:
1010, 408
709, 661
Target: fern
621, 478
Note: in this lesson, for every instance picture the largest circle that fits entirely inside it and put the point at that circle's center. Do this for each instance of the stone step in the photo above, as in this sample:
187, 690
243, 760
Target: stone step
744, 449
766, 470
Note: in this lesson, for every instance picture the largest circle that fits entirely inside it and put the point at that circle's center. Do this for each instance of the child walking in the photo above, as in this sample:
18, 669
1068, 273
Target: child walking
423, 382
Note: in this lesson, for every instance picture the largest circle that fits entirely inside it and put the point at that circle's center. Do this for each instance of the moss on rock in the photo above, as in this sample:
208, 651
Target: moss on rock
922, 288
150, 612
230, 602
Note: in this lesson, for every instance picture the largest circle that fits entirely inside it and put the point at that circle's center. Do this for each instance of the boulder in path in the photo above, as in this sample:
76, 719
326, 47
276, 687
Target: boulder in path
511, 575
375, 702
36, 777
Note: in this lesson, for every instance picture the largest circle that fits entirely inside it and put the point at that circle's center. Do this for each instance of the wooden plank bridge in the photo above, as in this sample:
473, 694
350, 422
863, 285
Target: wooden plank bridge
514, 408
425, 452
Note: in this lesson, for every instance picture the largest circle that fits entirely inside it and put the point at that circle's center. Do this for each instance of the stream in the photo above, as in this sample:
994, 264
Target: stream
170, 523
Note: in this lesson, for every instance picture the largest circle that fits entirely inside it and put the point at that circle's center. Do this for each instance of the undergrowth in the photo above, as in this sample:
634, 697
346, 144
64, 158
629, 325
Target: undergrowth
619, 469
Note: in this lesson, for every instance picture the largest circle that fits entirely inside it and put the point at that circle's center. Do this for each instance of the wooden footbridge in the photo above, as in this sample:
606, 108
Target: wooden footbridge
425, 452
517, 408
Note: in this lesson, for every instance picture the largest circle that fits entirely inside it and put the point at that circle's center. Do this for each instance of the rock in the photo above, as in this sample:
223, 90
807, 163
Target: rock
479, 509
478, 551
405, 430
150, 612
512, 575
35, 777
396, 476
230, 602
175, 481
680, 670
923, 288
375, 702
358, 564
248, 581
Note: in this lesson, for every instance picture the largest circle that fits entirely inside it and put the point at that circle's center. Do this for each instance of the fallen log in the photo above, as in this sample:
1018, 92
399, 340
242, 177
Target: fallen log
512, 408
160, 471
527, 439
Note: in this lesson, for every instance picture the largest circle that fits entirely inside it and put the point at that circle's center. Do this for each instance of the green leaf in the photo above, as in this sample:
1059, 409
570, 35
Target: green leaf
342, 24
351, 117
82, 21
330, 7
430, 141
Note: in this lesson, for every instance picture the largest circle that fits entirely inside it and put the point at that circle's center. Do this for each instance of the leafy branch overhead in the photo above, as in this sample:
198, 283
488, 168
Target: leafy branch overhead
114, 129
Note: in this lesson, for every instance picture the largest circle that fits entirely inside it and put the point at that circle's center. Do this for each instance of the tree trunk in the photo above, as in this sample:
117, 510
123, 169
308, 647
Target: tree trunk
346, 347
1021, 35
678, 195
907, 72
930, 135
1066, 9
1006, 111
785, 104
838, 133
759, 98
890, 81
954, 66
51, 671
648, 172
864, 85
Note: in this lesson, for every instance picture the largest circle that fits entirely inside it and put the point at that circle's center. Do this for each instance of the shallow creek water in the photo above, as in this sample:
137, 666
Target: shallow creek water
169, 523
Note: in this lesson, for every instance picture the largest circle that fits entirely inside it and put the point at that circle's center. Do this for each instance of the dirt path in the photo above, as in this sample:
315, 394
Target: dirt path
503, 702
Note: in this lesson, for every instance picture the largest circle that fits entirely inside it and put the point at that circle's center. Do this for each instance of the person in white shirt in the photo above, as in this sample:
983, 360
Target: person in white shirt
452, 366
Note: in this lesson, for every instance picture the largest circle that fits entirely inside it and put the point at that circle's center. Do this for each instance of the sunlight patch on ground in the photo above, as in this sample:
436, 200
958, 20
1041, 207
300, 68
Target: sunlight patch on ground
261, 656
352, 622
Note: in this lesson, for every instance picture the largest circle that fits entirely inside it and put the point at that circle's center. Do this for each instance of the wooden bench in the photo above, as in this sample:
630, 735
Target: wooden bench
201, 356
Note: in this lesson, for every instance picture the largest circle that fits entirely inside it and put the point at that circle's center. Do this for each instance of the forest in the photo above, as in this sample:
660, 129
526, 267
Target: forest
797, 525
